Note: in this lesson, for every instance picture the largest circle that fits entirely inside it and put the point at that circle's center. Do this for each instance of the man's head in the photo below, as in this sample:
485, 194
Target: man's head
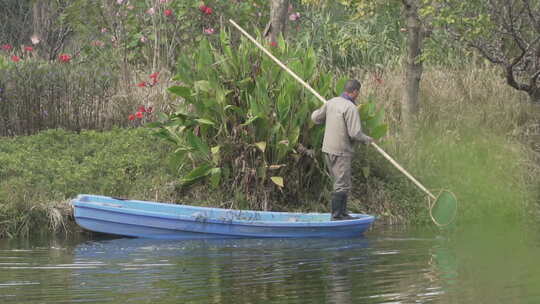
352, 88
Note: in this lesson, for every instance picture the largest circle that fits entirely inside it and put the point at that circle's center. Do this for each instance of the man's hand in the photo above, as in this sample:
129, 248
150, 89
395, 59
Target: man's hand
369, 140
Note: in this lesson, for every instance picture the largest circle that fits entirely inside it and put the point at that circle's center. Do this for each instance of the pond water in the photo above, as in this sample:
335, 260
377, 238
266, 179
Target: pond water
387, 265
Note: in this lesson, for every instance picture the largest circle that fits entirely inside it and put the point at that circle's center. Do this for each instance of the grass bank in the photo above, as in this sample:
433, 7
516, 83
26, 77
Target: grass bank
41, 173
475, 137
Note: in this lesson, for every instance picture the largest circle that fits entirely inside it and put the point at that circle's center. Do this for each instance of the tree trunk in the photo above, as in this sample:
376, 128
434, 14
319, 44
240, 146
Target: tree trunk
534, 95
52, 33
41, 15
413, 66
278, 19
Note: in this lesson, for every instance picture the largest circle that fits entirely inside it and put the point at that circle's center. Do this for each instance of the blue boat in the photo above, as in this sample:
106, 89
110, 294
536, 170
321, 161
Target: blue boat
143, 219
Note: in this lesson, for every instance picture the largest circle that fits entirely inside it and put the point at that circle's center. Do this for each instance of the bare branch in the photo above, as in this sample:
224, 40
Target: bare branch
535, 77
483, 50
510, 25
518, 59
510, 79
534, 20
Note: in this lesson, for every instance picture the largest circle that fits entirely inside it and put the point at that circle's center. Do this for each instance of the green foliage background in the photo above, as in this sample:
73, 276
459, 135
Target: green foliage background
238, 125
247, 124
40, 173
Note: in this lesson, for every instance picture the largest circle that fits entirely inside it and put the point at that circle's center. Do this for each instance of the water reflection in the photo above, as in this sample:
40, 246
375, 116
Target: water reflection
388, 266
223, 270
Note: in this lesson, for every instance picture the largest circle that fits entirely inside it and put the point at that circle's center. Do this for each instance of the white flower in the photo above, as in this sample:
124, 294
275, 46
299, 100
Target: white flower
294, 16
34, 39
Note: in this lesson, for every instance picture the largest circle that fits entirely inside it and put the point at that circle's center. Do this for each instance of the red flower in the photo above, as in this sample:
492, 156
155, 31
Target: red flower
15, 58
209, 31
154, 77
168, 12
64, 57
139, 114
28, 48
7, 47
205, 9
131, 117
141, 84
273, 44
142, 109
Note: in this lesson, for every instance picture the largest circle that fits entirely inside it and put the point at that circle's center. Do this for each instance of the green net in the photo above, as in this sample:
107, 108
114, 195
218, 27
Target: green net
443, 211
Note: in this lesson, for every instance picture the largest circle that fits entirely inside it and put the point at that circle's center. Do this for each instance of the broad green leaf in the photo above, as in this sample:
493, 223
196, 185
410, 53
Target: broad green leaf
180, 91
364, 111
278, 180
205, 121
379, 131
162, 117
245, 82
261, 145
215, 149
203, 85
197, 144
196, 174
165, 135
323, 84
276, 129
215, 177
215, 154
340, 85
235, 109
261, 172
177, 159
155, 124
250, 121
282, 149
309, 64
293, 136
204, 55
378, 118
221, 96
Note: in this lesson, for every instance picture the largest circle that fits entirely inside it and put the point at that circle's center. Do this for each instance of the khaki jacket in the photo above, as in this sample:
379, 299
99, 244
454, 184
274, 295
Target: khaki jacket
343, 126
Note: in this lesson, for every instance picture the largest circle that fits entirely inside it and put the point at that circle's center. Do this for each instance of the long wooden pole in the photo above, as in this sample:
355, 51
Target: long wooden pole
391, 160
307, 86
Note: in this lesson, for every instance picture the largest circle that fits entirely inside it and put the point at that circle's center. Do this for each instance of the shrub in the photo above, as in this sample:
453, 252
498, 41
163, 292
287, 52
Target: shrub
38, 95
40, 173
245, 124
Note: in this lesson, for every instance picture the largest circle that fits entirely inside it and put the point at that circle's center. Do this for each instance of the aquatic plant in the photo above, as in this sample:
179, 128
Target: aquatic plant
244, 124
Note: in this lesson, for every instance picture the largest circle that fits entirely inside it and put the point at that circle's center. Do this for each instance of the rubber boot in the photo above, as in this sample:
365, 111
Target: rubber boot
344, 214
336, 206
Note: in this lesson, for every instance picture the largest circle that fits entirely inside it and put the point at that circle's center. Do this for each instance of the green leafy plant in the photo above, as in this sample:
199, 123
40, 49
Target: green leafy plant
41, 173
372, 118
244, 124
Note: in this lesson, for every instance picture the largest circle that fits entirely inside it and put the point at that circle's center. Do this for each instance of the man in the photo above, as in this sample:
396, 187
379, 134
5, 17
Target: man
343, 128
